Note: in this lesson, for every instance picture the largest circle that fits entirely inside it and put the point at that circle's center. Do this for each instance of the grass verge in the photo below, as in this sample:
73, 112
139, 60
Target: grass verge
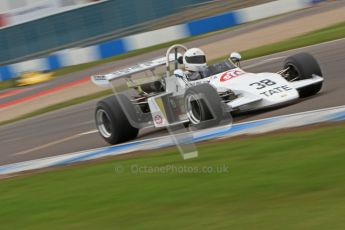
318, 36
7, 84
286, 181
323, 35
327, 34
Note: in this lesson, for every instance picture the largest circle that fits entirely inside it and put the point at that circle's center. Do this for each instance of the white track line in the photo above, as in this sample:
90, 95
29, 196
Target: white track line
263, 61
46, 145
89, 132
54, 143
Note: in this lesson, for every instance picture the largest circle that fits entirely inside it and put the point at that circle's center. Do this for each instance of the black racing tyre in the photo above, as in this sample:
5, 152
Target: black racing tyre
112, 123
302, 66
204, 107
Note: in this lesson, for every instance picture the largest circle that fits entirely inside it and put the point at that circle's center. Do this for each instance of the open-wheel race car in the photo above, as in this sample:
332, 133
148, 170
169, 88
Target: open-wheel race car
203, 98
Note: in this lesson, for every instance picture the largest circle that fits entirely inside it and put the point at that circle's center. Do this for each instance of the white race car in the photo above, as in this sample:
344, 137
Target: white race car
144, 98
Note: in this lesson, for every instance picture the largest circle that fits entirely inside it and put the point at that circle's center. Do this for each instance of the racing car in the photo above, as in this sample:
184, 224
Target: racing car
145, 98
32, 78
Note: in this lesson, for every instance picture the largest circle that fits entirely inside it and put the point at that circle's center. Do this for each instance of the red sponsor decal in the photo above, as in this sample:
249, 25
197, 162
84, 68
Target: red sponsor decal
158, 119
231, 74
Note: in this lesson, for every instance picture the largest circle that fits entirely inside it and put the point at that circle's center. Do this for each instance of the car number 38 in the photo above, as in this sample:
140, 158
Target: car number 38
268, 87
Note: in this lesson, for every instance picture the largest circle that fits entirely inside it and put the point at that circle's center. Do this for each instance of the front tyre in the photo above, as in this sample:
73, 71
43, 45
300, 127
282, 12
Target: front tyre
204, 107
112, 123
300, 67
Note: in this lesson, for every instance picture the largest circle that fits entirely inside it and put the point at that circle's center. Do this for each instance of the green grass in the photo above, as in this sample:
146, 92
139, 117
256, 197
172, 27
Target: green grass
282, 181
7, 84
323, 35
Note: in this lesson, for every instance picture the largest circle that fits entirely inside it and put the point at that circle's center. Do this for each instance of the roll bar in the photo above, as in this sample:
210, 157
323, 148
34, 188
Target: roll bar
175, 49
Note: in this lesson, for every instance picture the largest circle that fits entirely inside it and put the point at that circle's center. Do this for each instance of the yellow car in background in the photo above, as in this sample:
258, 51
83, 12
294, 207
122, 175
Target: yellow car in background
35, 77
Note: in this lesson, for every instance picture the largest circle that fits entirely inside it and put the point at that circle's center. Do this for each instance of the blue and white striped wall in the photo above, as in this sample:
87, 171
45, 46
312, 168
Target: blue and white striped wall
138, 41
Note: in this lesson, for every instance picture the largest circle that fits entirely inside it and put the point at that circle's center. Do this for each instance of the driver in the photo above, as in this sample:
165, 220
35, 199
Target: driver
194, 60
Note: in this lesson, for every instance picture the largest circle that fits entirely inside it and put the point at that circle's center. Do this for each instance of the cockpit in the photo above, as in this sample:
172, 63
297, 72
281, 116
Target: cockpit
212, 69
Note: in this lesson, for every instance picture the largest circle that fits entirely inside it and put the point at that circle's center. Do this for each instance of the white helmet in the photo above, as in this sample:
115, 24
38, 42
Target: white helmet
194, 59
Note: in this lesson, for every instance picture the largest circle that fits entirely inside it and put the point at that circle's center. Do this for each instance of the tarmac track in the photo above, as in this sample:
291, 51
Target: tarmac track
72, 129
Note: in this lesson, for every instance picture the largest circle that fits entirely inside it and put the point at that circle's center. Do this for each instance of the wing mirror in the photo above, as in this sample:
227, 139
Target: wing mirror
235, 57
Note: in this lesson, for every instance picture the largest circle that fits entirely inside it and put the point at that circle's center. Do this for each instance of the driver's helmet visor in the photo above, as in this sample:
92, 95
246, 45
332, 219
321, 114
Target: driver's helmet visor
199, 59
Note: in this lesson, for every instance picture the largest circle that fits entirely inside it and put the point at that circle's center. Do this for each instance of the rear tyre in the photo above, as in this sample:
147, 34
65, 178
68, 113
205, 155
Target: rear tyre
112, 123
204, 107
302, 66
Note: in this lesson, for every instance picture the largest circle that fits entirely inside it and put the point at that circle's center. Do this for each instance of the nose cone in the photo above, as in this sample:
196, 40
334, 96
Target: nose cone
272, 88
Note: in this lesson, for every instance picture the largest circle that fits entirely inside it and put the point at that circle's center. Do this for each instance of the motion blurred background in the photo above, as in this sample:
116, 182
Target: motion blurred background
280, 179
36, 28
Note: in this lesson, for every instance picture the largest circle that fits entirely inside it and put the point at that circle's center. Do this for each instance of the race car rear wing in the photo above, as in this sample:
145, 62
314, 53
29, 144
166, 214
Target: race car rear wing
103, 80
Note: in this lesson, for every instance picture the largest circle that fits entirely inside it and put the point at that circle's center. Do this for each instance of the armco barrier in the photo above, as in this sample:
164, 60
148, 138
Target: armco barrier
142, 40
253, 127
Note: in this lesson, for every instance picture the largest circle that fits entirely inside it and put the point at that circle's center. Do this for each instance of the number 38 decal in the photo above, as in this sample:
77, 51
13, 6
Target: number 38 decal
262, 84
271, 91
